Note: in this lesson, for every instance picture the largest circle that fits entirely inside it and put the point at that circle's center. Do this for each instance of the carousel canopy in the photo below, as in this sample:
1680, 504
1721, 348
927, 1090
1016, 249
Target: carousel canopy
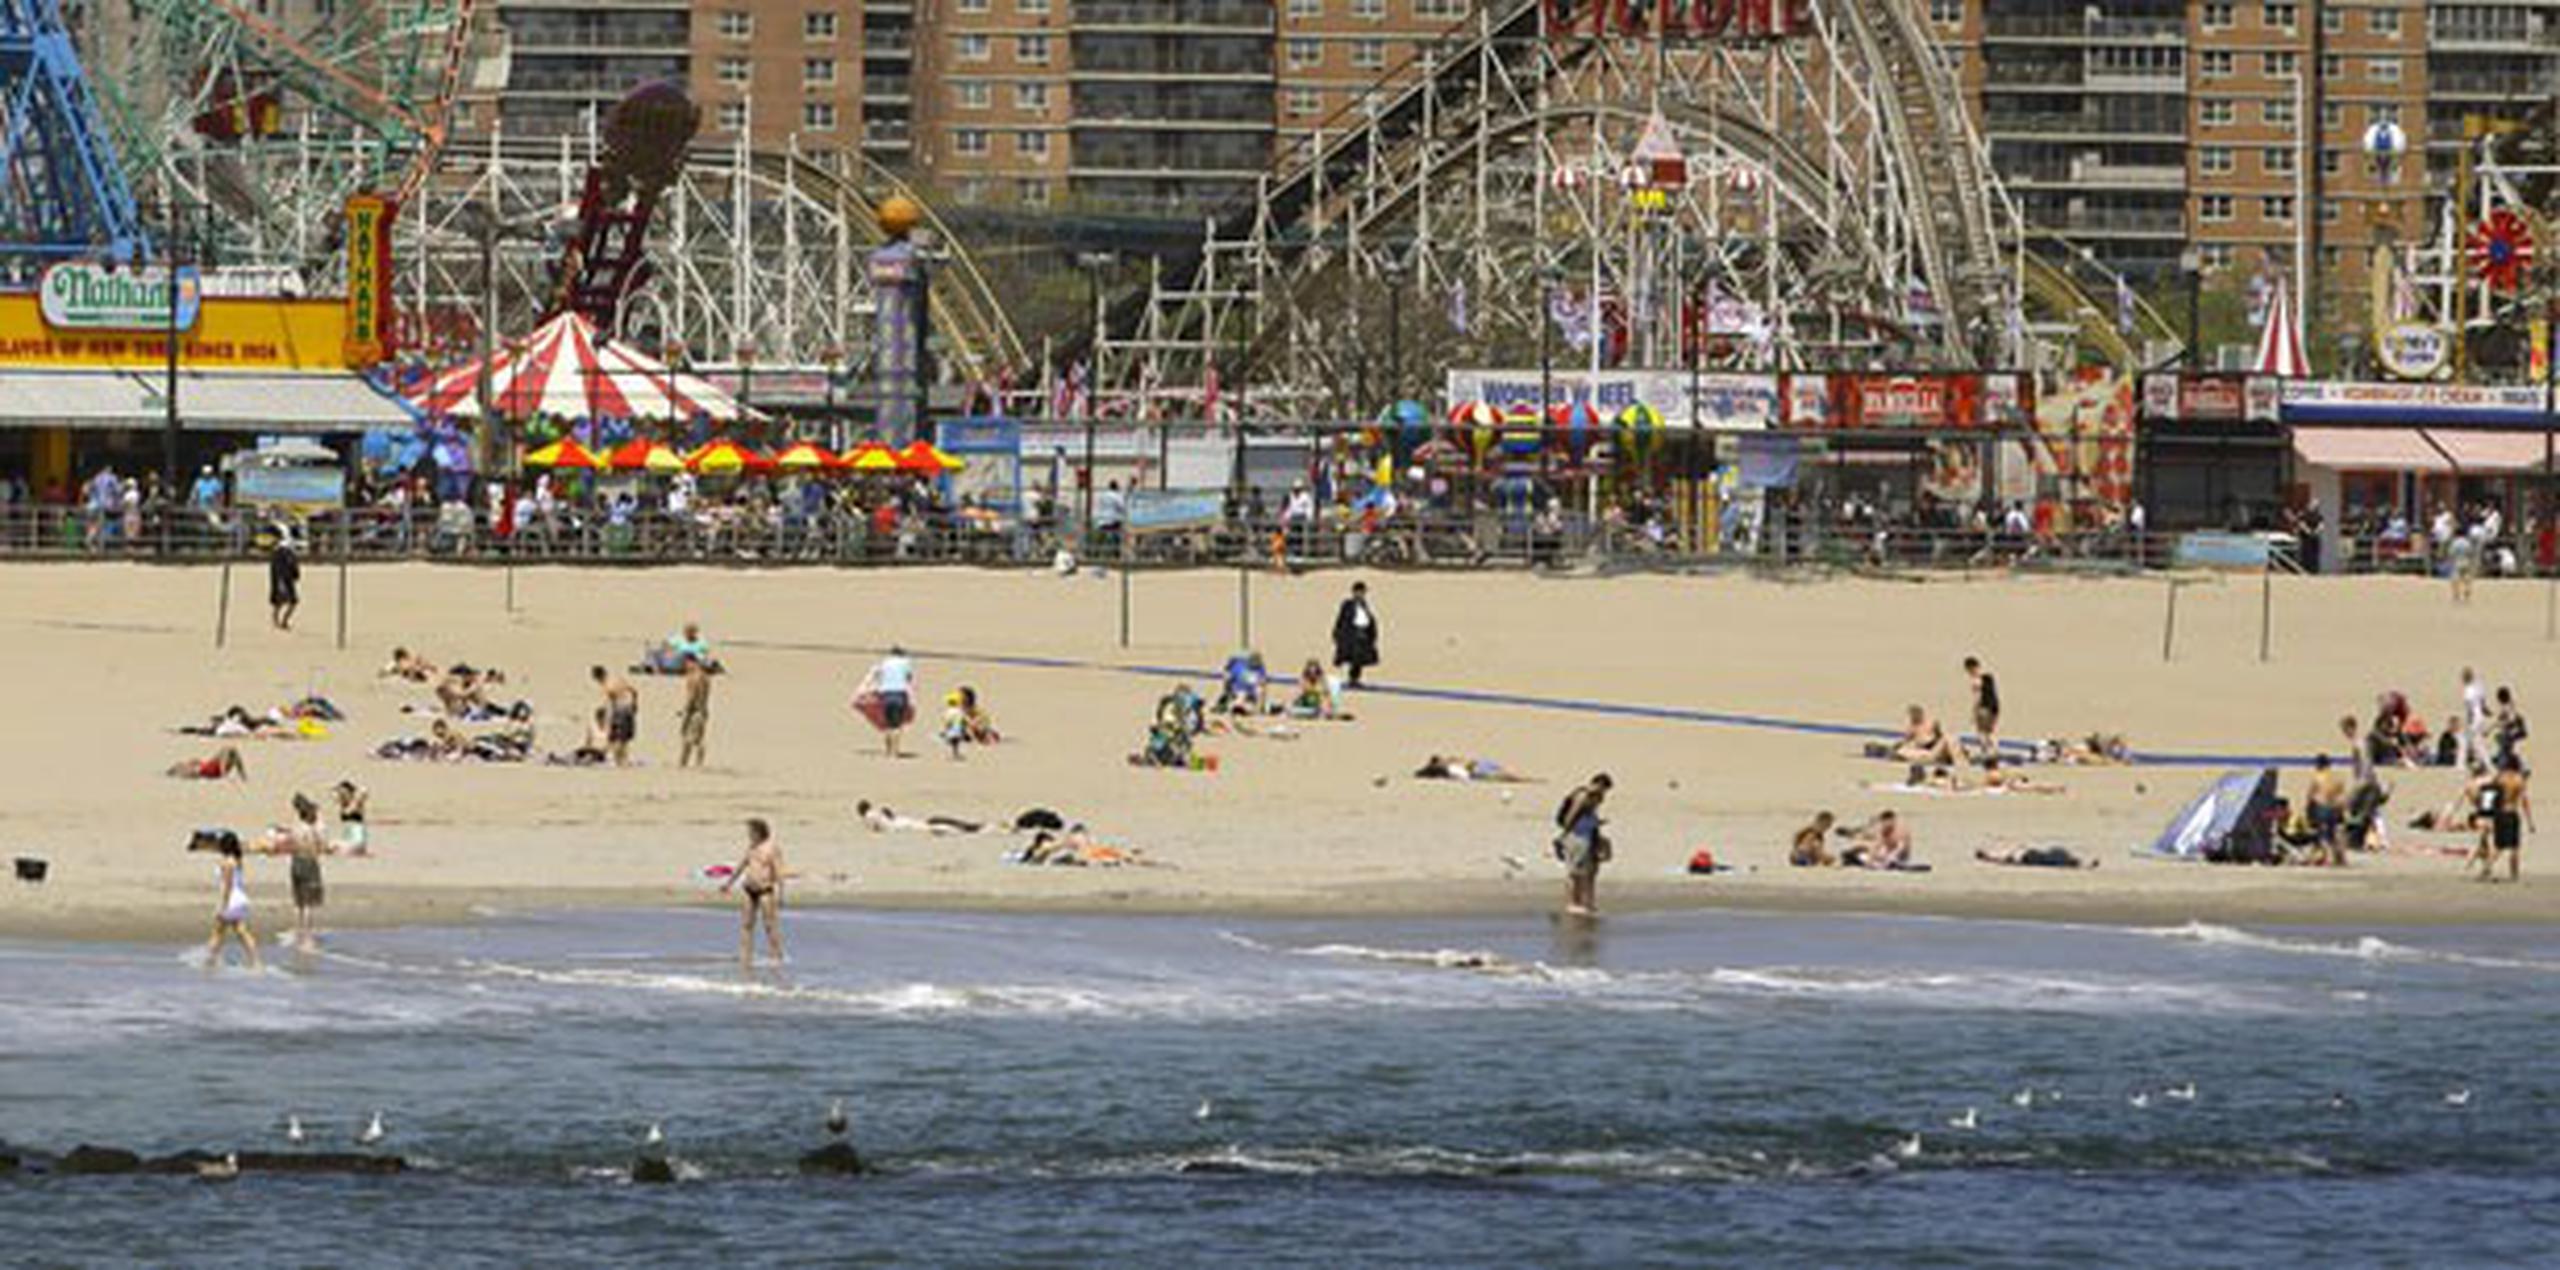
563, 369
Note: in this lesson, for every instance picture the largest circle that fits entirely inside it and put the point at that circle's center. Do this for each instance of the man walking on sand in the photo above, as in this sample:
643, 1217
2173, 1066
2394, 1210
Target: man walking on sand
696, 719
1582, 845
1355, 634
621, 714
759, 874
284, 581
1986, 705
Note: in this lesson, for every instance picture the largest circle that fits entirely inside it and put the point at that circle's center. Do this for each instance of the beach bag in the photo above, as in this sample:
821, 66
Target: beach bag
872, 708
1702, 860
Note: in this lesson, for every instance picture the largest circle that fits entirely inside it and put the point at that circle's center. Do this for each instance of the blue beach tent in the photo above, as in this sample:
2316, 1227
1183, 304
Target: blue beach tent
2227, 822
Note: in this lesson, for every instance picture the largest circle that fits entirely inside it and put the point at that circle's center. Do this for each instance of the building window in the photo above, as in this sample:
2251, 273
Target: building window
2277, 208
2333, 66
2278, 112
2215, 257
2284, 17
818, 72
975, 48
2278, 161
971, 189
971, 6
2217, 17
736, 24
973, 94
1031, 50
818, 25
2329, 210
1303, 101
2383, 22
2214, 160
2216, 112
1031, 193
1444, 10
733, 70
2214, 209
1947, 12
818, 116
971, 142
2333, 20
1369, 55
1305, 53
2283, 65
2332, 114
2382, 112
2215, 64
1032, 97
1306, 10
2383, 70
1369, 10
2332, 161
733, 116
1033, 7
1031, 145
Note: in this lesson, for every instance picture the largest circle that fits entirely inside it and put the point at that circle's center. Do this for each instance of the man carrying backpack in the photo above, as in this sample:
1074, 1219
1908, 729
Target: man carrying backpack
1582, 846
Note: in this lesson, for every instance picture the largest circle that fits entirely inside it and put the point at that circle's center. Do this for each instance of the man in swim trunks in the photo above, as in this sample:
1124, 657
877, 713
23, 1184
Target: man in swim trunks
1582, 845
759, 874
1986, 703
621, 714
303, 841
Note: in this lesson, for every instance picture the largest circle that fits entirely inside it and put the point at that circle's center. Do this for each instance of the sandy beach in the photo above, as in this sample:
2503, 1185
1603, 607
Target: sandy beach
113, 657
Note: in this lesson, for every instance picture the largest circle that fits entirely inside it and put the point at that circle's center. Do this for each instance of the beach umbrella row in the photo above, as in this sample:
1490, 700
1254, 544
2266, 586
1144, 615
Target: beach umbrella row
728, 458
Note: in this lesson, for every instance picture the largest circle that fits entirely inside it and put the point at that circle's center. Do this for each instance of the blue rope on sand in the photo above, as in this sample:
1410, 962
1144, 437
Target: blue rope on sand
1523, 701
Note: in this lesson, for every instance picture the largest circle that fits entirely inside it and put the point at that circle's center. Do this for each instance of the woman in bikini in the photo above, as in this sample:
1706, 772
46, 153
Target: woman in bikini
231, 902
213, 767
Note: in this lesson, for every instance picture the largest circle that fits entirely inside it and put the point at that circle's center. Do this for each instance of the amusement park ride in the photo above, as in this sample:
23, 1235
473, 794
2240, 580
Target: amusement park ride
1675, 184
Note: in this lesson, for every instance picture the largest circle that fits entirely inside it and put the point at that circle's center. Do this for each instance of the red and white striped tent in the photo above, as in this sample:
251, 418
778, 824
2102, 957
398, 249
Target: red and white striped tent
2280, 340
563, 370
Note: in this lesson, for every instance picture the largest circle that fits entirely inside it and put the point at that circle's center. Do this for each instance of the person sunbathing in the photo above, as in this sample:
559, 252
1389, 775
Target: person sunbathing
1923, 741
2034, 858
2001, 779
213, 767
2097, 749
1484, 770
409, 666
1077, 849
1883, 843
1811, 848
879, 818
235, 722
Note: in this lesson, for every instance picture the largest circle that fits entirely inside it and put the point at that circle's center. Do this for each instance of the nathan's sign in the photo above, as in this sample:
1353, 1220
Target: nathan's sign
89, 297
369, 335
1680, 19
223, 333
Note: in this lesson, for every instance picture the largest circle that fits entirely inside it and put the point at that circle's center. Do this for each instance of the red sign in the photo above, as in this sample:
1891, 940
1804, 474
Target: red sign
2175, 398
1736, 20
1911, 401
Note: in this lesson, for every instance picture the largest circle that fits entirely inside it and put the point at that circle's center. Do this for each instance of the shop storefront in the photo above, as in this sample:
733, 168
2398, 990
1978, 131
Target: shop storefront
2383, 459
2212, 452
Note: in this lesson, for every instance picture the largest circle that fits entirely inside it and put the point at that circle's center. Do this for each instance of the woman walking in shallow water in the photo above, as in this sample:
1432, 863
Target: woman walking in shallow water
231, 904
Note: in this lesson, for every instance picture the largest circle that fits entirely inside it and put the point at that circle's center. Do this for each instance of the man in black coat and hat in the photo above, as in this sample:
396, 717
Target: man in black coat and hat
1355, 633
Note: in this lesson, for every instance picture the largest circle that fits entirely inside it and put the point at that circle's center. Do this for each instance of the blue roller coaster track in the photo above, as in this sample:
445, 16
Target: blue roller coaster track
62, 194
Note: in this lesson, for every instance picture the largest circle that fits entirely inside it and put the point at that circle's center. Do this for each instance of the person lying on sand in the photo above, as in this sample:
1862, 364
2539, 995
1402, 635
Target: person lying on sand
407, 665
2097, 749
235, 723
213, 767
1484, 770
2000, 779
464, 692
2035, 858
1077, 849
1811, 849
2459, 813
881, 819
1883, 843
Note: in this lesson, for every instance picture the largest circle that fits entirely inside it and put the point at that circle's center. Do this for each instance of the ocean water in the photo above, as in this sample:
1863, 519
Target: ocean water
1698, 1088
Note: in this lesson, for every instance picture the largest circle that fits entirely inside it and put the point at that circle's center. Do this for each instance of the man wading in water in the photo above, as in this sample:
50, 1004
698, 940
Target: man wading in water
1581, 845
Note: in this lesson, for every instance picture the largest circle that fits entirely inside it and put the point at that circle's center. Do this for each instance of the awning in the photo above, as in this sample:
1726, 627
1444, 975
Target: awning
208, 401
2486, 453
2369, 450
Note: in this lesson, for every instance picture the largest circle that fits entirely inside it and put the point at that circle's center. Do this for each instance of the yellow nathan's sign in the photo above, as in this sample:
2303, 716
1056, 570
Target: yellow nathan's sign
229, 334
368, 278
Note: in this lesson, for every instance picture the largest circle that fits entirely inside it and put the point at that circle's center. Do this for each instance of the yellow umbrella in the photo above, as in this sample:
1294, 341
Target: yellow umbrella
565, 452
805, 457
871, 456
719, 458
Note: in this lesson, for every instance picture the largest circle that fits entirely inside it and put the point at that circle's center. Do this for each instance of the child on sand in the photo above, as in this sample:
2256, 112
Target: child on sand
759, 874
955, 724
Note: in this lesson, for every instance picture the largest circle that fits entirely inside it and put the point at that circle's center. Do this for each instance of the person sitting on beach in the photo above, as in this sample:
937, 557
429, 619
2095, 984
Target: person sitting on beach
2035, 858
1168, 745
407, 665
1316, 699
2384, 740
2448, 751
1242, 685
1923, 741
1482, 770
213, 767
354, 801
667, 656
464, 692
1882, 843
880, 818
979, 725
1181, 711
1811, 849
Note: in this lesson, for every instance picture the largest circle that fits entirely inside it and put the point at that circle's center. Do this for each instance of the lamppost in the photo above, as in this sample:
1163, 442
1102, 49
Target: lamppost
2191, 268
169, 384
1093, 263
1548, 277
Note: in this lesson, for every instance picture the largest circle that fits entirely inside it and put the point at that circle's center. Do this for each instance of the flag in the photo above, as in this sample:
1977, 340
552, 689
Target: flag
1459, 319
1209, 393
2124, 306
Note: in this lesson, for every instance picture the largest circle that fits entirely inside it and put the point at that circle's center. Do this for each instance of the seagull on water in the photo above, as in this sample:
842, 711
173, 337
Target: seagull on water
2023, 1098
2458, 1098
2340, 1102
837, 1122
293, 1130
1970, 1120
2182, 1093
1204, 1110
1908, 1148
373, 1133
657, 1137
223, 1170
2141, 1101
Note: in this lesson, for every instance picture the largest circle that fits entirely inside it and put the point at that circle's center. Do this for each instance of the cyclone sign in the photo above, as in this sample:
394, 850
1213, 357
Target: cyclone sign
87, 297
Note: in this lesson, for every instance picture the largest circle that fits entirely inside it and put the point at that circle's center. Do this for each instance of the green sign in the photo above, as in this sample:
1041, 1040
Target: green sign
90, 297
